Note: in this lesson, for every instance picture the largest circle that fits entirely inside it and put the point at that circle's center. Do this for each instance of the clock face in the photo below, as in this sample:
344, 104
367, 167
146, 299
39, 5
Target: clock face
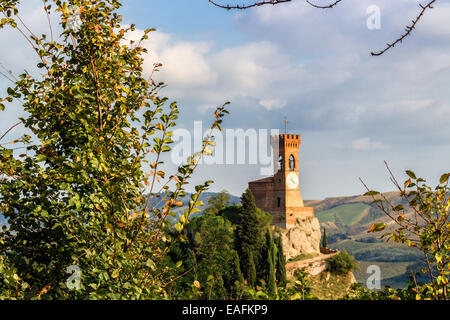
292, 181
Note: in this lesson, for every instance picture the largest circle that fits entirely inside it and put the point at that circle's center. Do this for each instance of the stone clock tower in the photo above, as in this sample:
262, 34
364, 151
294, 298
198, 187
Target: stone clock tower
280, 194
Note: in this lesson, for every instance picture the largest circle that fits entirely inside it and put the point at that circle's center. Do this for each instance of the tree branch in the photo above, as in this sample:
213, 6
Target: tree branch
243, 7
324, 7
408, 29
12, 127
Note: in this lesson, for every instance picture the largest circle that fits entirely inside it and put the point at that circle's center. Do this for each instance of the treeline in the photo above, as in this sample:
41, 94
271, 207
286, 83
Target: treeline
228, 252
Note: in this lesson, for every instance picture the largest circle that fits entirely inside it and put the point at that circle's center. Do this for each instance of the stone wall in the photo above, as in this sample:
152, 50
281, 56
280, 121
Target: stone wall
301, 238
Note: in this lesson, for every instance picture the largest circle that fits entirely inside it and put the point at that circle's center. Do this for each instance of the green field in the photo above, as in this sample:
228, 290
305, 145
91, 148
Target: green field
348, 213
393, 274
392, 258
378, 251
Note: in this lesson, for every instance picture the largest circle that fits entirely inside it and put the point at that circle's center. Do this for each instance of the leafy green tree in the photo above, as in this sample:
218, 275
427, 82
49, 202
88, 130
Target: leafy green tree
232, 213
217, 202
210, 239
302, 286
342, 263
76, 197
423, 224
324, 239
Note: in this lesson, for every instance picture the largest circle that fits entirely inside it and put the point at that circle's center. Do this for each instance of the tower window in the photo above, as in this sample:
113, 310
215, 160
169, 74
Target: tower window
291, 163
280, 162
279, 202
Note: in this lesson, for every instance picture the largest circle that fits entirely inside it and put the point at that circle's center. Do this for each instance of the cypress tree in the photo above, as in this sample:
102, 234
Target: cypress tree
218, 289
237, 279
247, 231
281, 263
271, 282
267, 268
252, 270
237, 273
324, 239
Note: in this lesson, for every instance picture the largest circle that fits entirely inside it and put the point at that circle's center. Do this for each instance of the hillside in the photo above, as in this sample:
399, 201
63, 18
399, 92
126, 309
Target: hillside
347, 220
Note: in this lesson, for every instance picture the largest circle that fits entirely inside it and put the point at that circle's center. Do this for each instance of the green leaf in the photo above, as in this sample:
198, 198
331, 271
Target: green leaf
444, 178
40, 158
411, 174
115, 273
151, 264
376, 227
10, 91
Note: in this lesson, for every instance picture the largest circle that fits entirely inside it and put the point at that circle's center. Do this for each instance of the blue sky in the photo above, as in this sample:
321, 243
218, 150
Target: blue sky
313, 66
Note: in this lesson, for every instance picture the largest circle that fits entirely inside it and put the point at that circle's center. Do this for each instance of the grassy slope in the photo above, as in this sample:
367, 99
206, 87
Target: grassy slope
392, 258
348, 213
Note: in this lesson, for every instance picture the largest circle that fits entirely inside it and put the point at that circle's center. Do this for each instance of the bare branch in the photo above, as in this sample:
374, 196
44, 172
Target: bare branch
408, 29
9, 72
243, 7
12, 127
48, 18
324, 7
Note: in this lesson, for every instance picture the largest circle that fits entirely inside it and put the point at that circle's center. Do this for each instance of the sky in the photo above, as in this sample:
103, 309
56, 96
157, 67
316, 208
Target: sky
312, 66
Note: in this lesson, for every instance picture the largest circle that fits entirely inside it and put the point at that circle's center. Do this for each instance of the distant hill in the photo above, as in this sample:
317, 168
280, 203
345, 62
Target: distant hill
204, 197
347, 220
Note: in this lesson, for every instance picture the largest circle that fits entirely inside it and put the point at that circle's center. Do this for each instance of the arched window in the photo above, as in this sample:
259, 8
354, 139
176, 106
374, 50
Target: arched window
280, 162
291, 162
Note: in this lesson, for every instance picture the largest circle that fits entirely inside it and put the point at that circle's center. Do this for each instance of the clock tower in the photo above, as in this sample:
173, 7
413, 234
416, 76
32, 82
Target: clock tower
280, 194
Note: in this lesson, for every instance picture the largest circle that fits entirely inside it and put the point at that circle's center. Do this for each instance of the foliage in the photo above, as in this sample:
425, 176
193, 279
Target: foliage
210, 256
270, 262
248, 234
251, 268
281, 263
302, 286
76, 196
358, 292
427, 228
324, 239
217, 203
342, 263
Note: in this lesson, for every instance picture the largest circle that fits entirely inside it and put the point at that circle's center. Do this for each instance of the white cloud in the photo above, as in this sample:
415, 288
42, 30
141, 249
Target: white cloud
367, 143
197, 74
272, 104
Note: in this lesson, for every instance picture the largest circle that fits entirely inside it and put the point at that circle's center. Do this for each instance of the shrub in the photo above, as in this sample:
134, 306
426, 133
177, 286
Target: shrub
341, 263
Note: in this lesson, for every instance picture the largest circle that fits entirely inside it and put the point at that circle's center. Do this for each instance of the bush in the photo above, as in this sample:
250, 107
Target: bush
341, 263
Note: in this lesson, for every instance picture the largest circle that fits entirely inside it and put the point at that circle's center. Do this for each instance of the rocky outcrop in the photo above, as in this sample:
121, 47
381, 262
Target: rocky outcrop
303, 238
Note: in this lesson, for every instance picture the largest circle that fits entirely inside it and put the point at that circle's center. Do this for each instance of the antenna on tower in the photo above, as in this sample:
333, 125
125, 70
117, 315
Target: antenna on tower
285, 124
